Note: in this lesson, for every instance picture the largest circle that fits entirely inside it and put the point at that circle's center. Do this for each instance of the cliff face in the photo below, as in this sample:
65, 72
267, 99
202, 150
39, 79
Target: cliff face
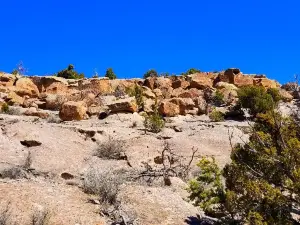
176, 95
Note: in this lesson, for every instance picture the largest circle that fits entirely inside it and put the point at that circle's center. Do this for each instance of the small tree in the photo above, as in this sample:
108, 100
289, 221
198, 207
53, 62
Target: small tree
257, 99
137, 92
70, 73
110, 74
262, 182
150, 73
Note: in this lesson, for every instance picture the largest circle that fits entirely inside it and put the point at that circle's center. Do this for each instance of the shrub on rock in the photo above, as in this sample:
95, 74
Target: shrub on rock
110, 74
70, 73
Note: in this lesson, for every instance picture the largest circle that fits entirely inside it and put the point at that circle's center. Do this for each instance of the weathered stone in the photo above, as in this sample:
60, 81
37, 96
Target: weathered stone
34, 112
147, 92
123, 105
54, 101
201, 104
148, 105
180, 82
7, 80
221, 85
95, 86
285, 95
200, 81
191, 93
73, 111
50, 84
14, 99
169, 109
266, 83
30, 143
24, 86
94, 110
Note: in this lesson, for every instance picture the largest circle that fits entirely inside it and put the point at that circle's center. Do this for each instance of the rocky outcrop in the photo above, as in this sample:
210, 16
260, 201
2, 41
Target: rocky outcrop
24, 86
7, 80
14, 99
266, 83
73, 111
95, 86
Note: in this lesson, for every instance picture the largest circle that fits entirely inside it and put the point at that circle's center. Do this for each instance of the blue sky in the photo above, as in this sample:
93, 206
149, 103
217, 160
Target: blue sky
133, 36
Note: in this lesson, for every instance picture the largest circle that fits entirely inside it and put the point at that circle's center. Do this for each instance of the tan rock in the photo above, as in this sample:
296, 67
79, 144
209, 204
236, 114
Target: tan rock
24, 86
147, 92
123, 105
176, 92
148, 105
54, 101
169, 109
285, 95
14, 99
95, 86
180, 82
7, 80
229, 75
73, 111
200, 81
34, 112
191, 93
201, 104
266, 83
50, 84
94, 110
228, 86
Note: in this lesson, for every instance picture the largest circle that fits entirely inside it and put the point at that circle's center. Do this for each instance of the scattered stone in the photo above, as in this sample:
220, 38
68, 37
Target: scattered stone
30, 143
67, 176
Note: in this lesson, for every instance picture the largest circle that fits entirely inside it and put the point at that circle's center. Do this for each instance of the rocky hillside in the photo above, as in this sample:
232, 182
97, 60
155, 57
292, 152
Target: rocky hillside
77, 151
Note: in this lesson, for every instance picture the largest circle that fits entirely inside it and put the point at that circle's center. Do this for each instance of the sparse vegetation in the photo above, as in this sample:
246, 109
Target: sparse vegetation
216, 116
257, 99
137, 92
218, 98
5, 214
40, 217
13, 172
154, 122
110, 149
5, 108
103, 184
70, 73
191, 71
150, 73
28, 161
110, 74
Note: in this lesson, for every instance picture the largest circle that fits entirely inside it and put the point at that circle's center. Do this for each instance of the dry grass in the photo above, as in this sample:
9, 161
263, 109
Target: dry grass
103, 184
40, 217
5, 214
110, 149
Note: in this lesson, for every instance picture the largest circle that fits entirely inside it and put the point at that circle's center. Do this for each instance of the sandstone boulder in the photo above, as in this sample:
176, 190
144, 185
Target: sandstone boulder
201, 104
180, 82
54, 101
50, 84
147, 92
14, 99
169, 109
7, 80
24, 86
123, 105
73, 111
95, 86
200, 81
148, 105
191, 93
285, 95
266, 83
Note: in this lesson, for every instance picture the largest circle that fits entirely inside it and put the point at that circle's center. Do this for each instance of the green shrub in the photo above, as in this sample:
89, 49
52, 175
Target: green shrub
5, 108
70, 73
260, 184
154, 122
110, 74
274, 92
137, 92
218, 98
150, 73
191, 71
216, 116
257, 99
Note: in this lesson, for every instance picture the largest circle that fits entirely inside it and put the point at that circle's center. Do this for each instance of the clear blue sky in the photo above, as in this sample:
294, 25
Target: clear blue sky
132, 36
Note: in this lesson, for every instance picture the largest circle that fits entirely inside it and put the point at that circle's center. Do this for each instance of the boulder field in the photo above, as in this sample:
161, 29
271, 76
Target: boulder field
172, 96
